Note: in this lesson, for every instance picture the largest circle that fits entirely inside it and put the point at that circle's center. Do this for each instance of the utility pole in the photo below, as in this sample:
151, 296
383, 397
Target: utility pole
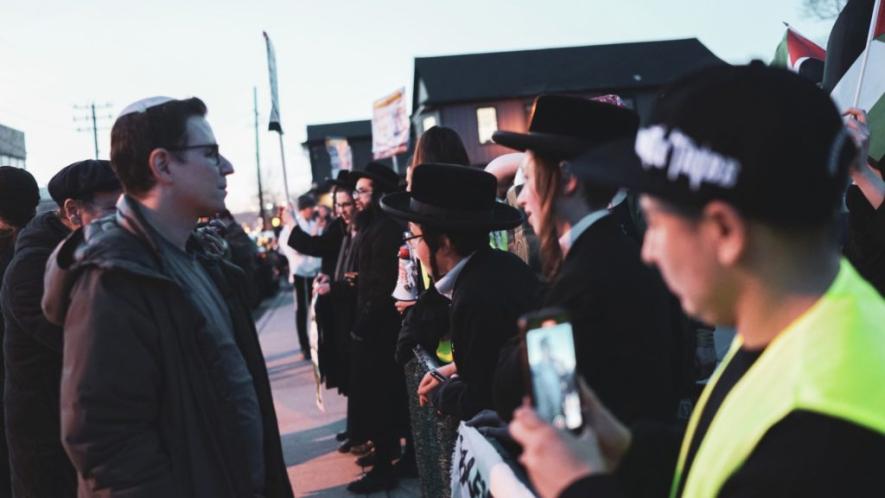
91, 117
258, 162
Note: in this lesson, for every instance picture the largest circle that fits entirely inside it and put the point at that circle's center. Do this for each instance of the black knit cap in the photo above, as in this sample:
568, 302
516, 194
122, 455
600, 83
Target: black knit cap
82, 179
19, 196
765, 140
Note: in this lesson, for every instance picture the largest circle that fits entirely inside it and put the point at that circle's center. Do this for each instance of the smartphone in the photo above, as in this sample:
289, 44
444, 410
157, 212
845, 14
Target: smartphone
429, 363
549, 363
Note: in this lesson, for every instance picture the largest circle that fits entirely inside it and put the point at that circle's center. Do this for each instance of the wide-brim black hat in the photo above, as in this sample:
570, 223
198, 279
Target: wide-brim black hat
343, 180
385, 179
450, 197
564, 126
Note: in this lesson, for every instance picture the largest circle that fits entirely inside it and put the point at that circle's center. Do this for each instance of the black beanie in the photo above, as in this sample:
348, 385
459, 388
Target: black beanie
19, 196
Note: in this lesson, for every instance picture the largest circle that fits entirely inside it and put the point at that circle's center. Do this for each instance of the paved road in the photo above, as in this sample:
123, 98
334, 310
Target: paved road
316, 469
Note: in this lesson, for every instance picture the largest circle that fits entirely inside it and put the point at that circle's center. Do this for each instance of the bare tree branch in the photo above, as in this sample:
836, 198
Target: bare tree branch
822, 9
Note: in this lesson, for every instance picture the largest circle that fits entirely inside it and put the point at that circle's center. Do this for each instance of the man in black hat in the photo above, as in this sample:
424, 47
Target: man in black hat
19, 196
489, 289
84, 191
742, 171
596, 274
377, 385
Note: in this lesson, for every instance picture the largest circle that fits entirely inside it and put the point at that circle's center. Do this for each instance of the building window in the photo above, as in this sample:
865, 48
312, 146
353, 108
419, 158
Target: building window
428, 122
486, 123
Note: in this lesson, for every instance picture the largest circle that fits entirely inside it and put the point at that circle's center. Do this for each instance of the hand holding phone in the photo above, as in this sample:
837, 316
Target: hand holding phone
550, 363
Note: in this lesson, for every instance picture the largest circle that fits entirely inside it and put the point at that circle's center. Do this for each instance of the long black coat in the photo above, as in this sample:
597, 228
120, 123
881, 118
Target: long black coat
377, 382
140, 413
33, 358
492, 291
628, 333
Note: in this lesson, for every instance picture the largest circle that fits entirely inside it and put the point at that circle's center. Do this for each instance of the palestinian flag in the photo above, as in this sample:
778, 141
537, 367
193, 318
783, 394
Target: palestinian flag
800, 54
847, 49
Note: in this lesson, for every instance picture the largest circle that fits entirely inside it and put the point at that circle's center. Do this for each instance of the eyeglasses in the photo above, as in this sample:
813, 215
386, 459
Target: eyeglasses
409, 238
212, 154
361, 192
345, 204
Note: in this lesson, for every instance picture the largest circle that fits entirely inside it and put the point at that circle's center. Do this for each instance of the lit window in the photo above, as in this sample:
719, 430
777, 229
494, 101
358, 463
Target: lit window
428, 122
486, 123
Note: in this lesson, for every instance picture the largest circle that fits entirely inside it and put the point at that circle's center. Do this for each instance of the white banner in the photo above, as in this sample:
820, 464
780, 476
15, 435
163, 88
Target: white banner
479, 471
340, 155
390, 125
274, 124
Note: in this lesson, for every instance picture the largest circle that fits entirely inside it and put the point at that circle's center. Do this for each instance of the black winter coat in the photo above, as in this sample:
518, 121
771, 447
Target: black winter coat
33, 357
140, 414
493, 290
626, 327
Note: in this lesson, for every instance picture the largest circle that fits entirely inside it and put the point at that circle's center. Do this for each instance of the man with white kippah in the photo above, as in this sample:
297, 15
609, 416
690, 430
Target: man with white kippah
164, 390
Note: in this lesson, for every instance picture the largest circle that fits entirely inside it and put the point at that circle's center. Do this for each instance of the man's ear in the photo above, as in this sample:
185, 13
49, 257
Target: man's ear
570, 183
71, 212
727, 230
158, 162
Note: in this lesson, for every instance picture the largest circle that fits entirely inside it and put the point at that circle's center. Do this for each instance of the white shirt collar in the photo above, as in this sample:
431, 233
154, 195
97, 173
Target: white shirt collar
568, 238
446, 285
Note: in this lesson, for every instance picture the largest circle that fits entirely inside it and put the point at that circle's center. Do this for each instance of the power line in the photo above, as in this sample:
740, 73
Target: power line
91, 118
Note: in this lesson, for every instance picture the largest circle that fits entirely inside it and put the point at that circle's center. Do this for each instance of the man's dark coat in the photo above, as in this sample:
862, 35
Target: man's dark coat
32, 354
626, 331
493, 290
140, 414
377, 384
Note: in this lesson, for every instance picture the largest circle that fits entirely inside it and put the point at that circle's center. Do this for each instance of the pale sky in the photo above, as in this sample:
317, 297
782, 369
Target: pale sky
334, 59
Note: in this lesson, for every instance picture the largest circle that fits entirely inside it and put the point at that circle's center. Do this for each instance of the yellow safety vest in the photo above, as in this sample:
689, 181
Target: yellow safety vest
830, 360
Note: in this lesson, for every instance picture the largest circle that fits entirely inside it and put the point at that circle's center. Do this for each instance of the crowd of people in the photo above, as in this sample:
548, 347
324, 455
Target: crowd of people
132, 366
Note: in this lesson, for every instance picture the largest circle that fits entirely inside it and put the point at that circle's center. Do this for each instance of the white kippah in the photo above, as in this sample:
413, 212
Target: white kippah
144, 104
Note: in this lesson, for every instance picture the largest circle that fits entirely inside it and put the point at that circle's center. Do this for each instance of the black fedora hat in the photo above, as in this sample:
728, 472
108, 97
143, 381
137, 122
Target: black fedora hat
344, 180
447, 196
565, 126
386, 180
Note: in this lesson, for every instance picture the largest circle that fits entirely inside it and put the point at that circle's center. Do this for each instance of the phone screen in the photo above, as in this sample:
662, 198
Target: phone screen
550, 348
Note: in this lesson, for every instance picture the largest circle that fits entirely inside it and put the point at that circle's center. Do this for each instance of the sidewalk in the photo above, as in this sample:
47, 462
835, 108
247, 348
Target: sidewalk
316, 469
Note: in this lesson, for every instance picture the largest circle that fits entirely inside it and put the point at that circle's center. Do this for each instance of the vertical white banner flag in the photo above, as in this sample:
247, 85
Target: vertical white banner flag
274, 124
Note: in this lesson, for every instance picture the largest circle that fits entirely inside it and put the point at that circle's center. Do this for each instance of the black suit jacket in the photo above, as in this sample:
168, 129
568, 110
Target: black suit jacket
625, 326
491, 293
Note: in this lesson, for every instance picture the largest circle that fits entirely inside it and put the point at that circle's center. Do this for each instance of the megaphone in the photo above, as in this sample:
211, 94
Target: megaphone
406, 284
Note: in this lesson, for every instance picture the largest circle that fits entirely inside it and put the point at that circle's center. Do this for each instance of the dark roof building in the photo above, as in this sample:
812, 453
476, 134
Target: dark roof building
12, 147
359, 137
476, 94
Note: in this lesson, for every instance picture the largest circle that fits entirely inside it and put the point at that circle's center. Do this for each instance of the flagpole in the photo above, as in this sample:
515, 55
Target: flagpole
874, 17
285, 178
261, 212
